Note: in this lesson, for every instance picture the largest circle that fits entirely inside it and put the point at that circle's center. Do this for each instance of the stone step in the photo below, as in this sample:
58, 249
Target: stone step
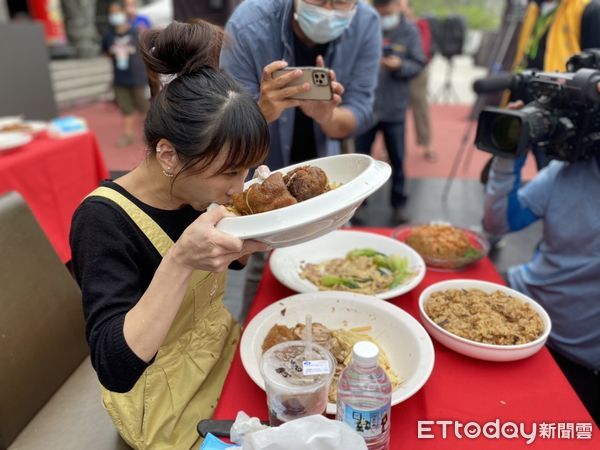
81, 81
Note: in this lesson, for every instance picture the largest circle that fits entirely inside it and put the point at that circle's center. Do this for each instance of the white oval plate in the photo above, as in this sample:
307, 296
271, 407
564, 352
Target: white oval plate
359, 175
407, 345
285, 263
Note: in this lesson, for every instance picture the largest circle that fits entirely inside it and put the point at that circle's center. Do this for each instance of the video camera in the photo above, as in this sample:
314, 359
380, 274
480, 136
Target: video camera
562, 114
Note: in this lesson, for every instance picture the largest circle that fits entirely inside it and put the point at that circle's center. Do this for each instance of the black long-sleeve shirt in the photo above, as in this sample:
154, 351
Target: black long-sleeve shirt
114, 263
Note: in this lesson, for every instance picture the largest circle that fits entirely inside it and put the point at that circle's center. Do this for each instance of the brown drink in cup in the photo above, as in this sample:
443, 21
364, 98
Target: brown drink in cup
296, 380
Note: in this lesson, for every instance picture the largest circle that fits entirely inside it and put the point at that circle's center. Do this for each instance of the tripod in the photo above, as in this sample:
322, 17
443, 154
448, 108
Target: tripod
499, 51
447, 93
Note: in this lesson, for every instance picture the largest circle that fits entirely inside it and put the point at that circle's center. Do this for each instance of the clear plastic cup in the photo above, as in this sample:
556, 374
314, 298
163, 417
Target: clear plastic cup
296, 383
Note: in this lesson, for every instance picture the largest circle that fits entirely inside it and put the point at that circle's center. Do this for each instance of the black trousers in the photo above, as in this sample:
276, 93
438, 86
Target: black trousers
393, 135
584, 381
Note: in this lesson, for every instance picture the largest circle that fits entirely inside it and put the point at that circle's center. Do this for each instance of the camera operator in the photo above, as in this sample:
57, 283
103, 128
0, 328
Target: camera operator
564, 274
551, 32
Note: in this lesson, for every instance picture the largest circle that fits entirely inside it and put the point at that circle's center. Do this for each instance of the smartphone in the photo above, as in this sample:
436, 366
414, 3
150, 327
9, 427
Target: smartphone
317, 77
388, 50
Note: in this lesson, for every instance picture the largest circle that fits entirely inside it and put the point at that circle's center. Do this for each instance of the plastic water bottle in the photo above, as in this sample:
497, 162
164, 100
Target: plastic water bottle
364, 395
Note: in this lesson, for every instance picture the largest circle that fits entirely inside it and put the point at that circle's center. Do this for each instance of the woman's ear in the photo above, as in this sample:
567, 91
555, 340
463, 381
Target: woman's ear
167, 157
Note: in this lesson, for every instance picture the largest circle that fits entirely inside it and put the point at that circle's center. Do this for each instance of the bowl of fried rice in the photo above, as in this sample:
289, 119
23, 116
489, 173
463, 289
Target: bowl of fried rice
484, 320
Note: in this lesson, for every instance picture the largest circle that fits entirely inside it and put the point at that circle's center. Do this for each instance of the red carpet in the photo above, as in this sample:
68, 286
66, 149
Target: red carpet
449, 123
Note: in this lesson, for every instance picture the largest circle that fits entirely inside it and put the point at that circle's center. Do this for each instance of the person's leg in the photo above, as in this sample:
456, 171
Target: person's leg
125, 104
420, 110
139, 97
584, 381
128, 128
141, 105
393, 134
364, 142
254, 270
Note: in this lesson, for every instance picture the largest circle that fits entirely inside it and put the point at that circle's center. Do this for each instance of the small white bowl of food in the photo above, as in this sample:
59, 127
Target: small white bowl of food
484, 320
304, 201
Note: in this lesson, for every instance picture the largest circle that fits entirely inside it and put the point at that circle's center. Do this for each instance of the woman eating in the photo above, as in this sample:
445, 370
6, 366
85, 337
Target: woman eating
146, 253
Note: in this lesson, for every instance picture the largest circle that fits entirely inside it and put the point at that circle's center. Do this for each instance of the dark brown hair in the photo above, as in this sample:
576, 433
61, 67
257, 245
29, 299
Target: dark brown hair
201, 111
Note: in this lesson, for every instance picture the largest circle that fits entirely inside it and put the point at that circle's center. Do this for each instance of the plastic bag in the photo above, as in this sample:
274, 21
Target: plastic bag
314, 432
244, 425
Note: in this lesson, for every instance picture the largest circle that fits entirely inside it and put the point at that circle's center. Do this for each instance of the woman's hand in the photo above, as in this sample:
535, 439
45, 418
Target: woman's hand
203, 247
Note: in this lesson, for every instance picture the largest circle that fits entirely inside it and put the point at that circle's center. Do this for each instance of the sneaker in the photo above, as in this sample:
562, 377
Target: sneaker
125, 140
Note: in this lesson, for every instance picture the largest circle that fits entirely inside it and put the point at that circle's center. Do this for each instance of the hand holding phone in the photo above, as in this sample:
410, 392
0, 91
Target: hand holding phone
318, 78
278, 93
388, 50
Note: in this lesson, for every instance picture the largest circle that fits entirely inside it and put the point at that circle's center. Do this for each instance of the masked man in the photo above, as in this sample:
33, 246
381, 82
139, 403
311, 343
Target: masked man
343, 35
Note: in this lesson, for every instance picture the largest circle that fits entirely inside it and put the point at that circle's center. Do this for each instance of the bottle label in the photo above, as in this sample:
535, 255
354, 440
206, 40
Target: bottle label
368, 423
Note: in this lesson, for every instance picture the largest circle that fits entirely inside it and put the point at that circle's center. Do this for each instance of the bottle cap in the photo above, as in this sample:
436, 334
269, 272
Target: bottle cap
365, 353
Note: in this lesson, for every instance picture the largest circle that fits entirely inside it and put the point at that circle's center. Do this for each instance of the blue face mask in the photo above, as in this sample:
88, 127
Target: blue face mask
322, 25
390, 22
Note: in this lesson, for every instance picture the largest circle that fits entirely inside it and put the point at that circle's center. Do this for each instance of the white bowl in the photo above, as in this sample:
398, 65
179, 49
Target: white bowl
359, 175
479, 350
10, 120
286, 263
405, 342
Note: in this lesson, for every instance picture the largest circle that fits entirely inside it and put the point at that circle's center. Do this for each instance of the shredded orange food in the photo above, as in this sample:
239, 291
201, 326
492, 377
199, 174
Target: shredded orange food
439, 241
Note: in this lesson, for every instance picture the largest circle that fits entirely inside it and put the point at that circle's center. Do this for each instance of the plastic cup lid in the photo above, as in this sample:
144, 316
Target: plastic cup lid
286, 366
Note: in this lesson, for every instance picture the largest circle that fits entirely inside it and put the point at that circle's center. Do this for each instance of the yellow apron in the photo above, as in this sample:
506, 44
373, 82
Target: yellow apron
183, 384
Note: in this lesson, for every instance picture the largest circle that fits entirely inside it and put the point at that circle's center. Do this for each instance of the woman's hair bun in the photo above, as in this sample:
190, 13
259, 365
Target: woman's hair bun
182, 48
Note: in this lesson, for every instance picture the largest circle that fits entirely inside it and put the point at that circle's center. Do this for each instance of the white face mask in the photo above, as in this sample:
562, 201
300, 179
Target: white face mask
390, 21
322, 25
117, 19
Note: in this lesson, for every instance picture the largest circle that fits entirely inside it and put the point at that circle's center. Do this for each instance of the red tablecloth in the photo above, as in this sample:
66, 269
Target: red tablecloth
53, 176
460, 389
